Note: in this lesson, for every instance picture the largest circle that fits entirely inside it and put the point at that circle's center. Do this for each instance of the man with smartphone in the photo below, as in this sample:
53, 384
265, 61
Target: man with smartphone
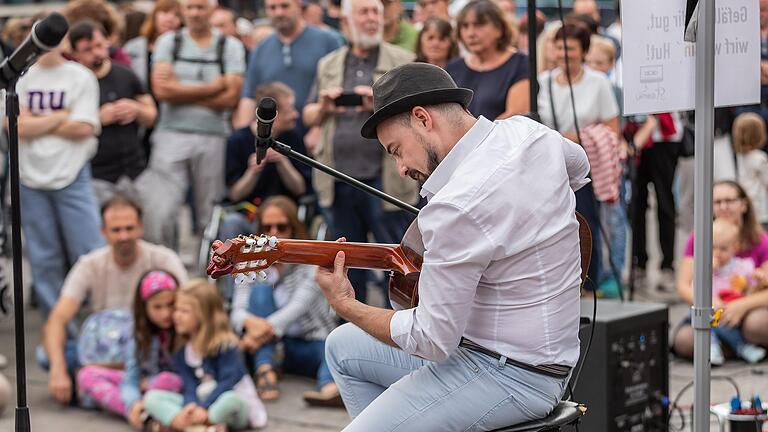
340, 102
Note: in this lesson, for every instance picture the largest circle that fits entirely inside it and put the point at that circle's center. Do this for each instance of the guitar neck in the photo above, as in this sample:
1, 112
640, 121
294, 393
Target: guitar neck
357, 255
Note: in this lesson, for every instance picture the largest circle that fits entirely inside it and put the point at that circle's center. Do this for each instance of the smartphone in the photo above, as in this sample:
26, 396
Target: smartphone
348, 99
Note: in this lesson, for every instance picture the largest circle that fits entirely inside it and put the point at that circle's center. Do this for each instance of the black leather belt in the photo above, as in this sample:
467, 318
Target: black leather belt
554, 370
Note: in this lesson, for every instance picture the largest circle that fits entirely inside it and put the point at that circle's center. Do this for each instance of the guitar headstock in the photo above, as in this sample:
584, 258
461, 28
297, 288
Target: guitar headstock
243, 255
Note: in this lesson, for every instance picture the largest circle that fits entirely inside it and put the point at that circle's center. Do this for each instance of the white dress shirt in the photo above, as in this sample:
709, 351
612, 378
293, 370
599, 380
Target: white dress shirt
501, 263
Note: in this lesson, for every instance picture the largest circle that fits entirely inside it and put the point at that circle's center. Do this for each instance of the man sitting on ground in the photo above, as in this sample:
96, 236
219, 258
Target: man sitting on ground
108, 276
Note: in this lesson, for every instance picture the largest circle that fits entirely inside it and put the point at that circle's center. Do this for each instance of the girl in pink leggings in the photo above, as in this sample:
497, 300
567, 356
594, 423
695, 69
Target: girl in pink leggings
148, 363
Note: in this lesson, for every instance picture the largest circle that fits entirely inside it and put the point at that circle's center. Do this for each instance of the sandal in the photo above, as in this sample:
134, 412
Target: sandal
152, 425
266, 384
326, 397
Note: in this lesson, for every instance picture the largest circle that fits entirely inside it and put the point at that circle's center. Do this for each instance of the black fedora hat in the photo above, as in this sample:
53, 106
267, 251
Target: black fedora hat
410, 85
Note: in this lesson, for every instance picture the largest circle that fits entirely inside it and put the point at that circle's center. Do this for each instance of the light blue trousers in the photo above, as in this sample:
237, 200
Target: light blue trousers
386, 389
59, 226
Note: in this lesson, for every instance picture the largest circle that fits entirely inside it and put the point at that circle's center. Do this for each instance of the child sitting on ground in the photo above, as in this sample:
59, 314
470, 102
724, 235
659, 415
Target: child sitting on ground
218, 392
147, 362
731, 279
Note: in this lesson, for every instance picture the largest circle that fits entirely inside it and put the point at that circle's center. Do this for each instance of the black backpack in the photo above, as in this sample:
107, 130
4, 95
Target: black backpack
178, 40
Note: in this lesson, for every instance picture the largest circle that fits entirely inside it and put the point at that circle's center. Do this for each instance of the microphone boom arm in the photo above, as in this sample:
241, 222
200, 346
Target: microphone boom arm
288, 151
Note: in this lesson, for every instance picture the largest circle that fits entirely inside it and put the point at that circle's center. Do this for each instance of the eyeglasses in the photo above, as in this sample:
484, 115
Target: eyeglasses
725, 201
281, 227
287, 59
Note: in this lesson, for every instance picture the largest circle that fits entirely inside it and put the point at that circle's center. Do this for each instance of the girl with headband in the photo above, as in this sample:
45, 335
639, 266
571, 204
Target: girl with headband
148, 359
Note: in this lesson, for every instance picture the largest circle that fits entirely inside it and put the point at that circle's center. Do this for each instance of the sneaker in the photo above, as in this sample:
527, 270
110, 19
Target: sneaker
667, 281
716, 356
752, 353
609, 289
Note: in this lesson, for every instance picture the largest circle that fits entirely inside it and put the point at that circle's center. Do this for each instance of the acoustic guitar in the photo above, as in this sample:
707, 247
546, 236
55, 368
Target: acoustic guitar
249, 255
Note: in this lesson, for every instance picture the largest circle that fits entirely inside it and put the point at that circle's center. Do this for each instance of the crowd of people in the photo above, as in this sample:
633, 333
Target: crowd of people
141, 112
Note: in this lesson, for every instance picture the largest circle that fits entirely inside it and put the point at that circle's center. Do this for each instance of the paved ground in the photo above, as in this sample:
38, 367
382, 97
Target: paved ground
288, 414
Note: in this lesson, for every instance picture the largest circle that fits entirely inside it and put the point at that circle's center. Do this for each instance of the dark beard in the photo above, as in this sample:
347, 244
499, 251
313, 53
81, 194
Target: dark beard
433, 160
284, 25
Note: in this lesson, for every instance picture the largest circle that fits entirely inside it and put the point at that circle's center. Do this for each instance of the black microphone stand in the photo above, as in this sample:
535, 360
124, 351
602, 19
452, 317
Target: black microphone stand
12, 111
533, 95
291, 153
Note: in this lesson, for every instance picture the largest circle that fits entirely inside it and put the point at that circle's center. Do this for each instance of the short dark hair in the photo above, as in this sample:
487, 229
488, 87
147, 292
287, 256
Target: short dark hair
118, 200
572, 30
97, 10
541, 21
488, 11
585, 19
83, 30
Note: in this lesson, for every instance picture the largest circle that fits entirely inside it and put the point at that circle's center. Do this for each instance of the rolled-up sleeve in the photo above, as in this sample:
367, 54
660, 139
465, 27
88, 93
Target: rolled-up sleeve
457, 252
576, 163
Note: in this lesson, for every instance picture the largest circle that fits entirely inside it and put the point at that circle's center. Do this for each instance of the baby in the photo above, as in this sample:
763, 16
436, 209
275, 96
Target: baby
731, 279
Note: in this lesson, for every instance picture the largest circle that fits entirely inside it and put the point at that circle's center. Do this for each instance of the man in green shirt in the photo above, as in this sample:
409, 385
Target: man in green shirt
397, 30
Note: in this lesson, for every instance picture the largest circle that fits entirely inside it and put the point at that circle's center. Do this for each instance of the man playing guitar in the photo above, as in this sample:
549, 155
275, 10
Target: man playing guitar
495, 333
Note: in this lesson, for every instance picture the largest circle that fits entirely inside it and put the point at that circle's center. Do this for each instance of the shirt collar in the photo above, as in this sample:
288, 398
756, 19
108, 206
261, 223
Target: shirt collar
442, 174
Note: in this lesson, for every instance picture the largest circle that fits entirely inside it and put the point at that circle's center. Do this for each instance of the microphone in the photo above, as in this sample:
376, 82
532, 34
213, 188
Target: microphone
265, 116
45, 35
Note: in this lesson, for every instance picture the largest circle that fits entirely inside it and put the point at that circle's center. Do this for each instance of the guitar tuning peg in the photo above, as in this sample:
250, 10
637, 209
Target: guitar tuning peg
263, 275
272, 241
250, 242
251, 277
240, 279
261, 241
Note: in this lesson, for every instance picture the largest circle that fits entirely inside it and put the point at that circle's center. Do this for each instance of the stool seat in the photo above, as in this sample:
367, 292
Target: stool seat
564, 413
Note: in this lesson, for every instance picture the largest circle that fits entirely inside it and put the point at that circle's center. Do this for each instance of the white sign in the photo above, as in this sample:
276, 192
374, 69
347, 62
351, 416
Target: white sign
659, 67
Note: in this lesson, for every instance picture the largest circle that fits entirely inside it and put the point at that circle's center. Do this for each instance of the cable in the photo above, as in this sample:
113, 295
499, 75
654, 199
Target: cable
616, 274
673, 406
568, 72
614, 270
589, 343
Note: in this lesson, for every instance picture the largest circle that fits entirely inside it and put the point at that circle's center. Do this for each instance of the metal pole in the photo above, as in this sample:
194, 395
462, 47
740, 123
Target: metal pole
532, 33
702, 296
12, 110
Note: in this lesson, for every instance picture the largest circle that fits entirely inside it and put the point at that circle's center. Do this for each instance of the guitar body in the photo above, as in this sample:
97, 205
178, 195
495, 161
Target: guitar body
404, 290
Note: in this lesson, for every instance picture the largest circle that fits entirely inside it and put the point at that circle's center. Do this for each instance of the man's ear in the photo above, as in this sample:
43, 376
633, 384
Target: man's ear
422, 117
